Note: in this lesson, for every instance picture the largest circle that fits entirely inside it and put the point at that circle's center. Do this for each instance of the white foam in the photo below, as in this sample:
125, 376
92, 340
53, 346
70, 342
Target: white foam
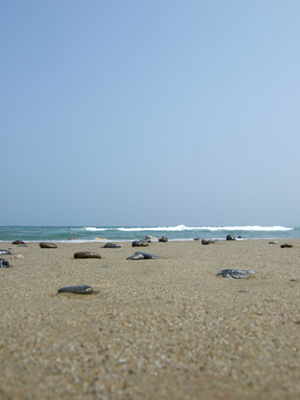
180, 228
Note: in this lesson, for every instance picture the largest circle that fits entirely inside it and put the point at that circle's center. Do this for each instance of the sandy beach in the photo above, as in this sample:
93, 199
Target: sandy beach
154, 329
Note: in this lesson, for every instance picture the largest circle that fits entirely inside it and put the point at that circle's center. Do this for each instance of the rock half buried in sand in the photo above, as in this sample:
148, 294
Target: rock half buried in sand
4, 263
140, 255
18, 242
45, 245
152, 238
80, 289
86, 254
207, 241
286, 245
112, 246
5, 252
163, 239
140, 243
236, 273
230, 237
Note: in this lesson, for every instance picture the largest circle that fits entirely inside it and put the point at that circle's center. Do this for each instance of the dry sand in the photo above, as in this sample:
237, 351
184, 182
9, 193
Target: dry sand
155, 329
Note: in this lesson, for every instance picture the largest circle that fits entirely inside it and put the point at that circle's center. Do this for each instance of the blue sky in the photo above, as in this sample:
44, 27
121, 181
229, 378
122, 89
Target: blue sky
150, 112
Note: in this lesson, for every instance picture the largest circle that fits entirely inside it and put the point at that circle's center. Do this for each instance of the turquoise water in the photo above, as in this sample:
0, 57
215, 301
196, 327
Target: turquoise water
180, 232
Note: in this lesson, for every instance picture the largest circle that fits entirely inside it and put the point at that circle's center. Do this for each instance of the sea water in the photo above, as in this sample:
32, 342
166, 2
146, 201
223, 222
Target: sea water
128, 233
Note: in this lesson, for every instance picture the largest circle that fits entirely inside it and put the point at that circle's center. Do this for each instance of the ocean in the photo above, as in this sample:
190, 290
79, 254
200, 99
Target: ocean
129, 233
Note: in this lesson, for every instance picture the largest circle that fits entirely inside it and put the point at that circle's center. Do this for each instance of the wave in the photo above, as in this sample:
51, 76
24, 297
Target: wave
180, 228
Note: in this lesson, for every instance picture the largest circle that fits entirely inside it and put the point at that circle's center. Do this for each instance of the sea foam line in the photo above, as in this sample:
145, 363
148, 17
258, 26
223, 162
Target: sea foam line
180, 228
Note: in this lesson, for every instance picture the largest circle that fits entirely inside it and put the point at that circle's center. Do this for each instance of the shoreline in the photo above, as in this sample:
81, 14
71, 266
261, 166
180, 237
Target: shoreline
165, 328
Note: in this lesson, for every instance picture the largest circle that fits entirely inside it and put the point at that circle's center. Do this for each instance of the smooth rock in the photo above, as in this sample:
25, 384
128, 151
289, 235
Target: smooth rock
45, 245
86, 254
112, 246
152, 238
207, 241
4, 263
139, 255
236, 273
230, 237
140, 243
4, 252
286, 245
80, 289
163, 239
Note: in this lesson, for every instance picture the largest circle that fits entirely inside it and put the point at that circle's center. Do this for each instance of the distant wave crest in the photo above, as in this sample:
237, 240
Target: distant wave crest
178, 228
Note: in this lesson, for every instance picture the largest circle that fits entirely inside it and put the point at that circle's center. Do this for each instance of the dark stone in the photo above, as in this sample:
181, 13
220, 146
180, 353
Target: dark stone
5, 252
4, 263
139, 255
230, 237
207, 241
80, 289
18, 242
111, 246
286, 245
236, 273
140, 243
86, 254
163, 239
44, 245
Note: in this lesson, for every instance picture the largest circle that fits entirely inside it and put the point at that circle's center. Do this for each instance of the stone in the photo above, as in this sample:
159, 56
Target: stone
230, 237
80, 289
236, 273
4, 252
140, 243
139, 255
4, 263
86, 254
207, 241
45, 245
163, 239
112, 246
151, 238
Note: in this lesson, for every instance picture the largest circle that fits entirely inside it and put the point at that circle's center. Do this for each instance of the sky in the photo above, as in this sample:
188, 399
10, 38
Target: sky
152, 113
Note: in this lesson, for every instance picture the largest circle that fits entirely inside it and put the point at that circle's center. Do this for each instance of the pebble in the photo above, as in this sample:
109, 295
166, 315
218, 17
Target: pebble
163, 239
4, 263
45, 245
236, 273
230, 237
207, 241
139, 243
112, 246
5, 252
86, 254
80, 289
139, 255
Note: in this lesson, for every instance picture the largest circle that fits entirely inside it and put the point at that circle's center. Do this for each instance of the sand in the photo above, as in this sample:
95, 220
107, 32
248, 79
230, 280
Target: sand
154, 329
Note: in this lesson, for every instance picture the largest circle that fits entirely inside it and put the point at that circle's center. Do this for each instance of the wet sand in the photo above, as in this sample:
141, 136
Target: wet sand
154, 329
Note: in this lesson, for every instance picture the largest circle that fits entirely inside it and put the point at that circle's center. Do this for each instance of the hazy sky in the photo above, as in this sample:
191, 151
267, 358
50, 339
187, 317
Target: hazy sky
160, 112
